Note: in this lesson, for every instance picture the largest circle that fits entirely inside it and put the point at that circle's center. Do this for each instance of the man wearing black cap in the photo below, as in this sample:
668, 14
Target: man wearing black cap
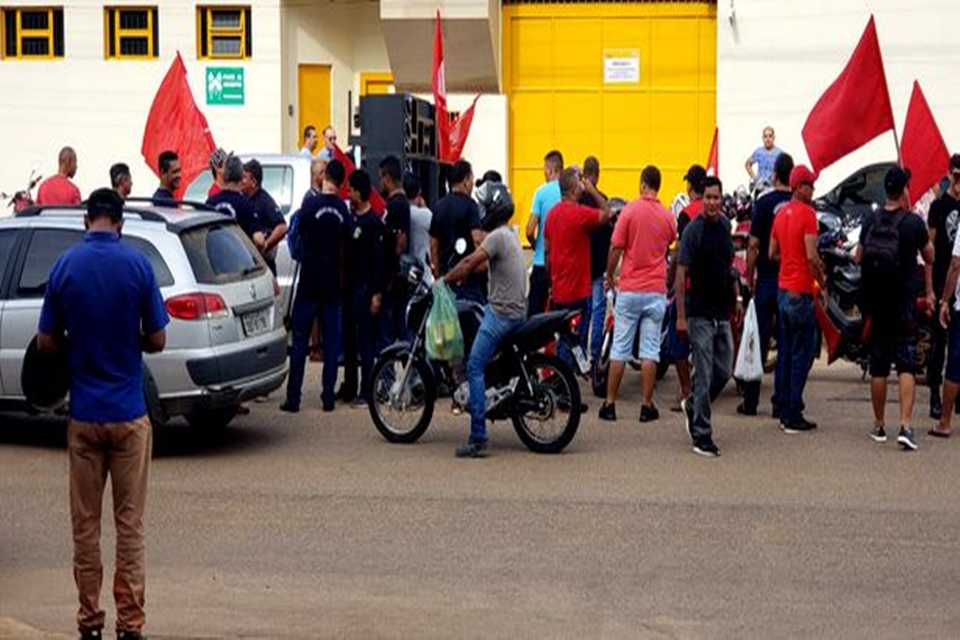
890, 242
942, 222
103, 295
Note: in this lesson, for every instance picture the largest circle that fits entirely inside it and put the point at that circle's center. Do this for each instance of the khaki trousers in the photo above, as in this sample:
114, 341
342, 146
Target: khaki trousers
122, 450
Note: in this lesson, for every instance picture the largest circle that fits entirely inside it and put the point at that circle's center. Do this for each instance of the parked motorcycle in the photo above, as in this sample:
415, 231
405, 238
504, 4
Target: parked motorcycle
23, 199
537, 392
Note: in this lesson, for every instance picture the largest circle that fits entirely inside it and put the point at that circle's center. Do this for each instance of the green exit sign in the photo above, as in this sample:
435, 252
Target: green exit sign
225, 86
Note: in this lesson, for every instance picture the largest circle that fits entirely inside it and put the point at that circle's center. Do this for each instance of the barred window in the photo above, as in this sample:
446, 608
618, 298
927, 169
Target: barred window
224, 33
131, 33
33, 32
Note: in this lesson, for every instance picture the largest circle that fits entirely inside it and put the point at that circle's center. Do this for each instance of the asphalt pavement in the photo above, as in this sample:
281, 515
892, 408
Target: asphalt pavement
313, 526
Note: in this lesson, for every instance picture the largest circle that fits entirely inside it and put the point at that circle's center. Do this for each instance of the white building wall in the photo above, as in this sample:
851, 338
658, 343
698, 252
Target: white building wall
100, 106
775, 59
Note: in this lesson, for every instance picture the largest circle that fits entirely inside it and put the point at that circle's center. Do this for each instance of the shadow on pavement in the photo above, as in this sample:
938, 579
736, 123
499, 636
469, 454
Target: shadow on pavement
175, 439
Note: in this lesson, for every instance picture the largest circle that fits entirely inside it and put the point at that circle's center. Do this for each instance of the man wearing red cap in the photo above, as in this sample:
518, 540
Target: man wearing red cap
793, 243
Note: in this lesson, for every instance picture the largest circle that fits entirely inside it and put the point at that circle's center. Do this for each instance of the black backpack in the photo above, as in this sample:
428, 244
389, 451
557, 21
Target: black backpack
880, 261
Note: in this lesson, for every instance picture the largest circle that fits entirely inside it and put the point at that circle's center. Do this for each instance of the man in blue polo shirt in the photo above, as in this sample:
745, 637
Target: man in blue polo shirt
545, 198
103, 295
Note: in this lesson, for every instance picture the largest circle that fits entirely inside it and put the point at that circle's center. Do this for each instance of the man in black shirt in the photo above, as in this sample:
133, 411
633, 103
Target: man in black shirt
268, 214
397, 220
323, 224
599, 252
890, 287
169, 166
456, 220
232, 202
942, 223
763, 273
365, 284
706, 257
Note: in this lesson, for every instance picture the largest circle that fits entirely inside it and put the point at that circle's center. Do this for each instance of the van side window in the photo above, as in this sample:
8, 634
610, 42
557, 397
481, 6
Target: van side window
8, 237
46, 245
278, 182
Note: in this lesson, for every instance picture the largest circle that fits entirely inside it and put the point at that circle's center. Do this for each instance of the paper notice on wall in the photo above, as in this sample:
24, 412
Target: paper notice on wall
621, 66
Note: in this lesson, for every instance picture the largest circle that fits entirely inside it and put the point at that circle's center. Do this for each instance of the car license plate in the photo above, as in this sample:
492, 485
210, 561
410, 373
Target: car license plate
256, 322
581, 360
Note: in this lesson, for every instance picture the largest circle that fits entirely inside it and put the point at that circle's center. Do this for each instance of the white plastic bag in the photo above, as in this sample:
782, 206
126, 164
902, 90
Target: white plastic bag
749, 367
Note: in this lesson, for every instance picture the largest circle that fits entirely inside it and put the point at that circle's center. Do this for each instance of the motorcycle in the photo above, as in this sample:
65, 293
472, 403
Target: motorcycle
840, 323
537, 392
23, 199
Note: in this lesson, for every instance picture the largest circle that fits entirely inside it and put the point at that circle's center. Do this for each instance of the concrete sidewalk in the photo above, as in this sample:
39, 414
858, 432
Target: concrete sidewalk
11, 629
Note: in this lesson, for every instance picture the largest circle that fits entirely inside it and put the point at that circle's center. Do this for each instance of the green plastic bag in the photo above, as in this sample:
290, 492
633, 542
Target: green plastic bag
444, 338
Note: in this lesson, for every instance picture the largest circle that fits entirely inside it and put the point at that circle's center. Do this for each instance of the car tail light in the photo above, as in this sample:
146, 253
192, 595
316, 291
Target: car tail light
197, 306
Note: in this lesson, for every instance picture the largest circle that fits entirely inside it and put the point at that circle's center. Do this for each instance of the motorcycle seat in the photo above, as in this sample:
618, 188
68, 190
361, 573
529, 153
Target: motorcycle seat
540, 328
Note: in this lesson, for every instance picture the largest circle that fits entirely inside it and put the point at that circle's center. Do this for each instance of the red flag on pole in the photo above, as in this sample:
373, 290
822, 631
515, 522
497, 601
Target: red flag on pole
176, 124
451, 136
854, 110
713, 162
923, 150
376, 200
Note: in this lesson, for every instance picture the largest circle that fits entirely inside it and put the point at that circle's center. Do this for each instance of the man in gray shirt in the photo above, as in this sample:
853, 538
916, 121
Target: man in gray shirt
420, 219
507, 307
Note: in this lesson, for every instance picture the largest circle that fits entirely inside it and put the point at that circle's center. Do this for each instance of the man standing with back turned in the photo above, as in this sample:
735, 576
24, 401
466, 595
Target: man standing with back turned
103, 296
546, 197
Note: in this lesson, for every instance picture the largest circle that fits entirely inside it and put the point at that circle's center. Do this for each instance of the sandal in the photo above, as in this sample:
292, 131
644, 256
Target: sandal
938, 434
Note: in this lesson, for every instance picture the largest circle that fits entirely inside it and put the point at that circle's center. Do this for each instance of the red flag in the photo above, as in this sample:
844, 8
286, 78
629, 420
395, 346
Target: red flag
713, 162
441, 115
176, 124
451, 136
923, 150
854, 110
376, 200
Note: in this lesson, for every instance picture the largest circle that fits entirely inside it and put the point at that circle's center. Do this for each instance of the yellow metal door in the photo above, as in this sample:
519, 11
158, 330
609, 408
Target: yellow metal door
631, 83
313, 95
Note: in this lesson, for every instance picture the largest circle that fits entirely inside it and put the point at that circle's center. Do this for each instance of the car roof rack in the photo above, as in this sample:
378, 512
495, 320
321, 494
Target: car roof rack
170, 203
36, 210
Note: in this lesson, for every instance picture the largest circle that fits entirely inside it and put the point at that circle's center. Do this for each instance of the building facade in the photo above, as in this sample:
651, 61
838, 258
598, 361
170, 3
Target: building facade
633, 83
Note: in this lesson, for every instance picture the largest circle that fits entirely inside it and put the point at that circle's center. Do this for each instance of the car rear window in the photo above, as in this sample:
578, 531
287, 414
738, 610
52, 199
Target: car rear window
221, 253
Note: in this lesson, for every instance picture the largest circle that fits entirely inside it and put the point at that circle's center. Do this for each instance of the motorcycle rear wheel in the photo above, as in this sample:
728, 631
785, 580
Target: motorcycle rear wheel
402, 415
552, 425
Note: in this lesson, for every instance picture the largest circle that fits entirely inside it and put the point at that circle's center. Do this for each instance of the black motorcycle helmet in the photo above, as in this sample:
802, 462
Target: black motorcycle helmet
496, 205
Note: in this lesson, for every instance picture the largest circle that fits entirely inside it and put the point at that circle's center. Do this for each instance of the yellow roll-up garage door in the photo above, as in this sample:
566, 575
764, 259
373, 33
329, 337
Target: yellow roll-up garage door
633, 83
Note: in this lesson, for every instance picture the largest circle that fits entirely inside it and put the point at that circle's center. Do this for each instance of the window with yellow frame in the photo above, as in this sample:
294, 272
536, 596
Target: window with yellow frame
224, 33
131, 33
32, 32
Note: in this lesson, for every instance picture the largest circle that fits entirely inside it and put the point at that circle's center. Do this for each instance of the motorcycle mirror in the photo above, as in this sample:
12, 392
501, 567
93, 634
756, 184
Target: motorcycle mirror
460, 246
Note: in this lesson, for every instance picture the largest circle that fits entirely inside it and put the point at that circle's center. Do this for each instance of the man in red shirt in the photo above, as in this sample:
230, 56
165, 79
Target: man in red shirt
793, 242
642, 237
59, 189
567, 246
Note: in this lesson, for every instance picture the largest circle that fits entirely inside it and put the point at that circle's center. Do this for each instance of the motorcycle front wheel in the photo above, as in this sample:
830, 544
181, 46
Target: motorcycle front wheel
402, 412
547, 422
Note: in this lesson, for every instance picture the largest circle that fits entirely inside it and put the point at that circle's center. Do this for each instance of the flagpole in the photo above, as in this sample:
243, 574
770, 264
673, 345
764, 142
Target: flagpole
896, 141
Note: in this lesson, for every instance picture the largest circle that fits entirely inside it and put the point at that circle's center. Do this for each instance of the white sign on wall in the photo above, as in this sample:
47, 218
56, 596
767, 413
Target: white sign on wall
621, 66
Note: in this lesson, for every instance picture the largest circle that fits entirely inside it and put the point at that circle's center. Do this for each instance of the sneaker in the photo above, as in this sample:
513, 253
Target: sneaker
775, 412
328, 406
649, 414
906, 439
706, 448
345, 395
474, 449
687, 408
608, 412
878, 434
289, 407
91, 634
797, 426
744, 410
358, 403
130, 635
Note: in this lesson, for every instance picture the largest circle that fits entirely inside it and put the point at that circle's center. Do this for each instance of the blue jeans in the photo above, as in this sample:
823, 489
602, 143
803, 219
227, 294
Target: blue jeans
712, 345
795, 351
304, 312
567, 341
493, 329
596, 318
765, 300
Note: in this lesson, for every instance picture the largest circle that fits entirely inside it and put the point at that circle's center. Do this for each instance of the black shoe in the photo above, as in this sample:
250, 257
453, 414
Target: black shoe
91, 634
130, 635
797, 426
584, 408
775, 412
346, 395
608, 412
744, 410
878, 434
649, 414
473, 449
289, 407
706, 448
936, 405
328, 406
905, 439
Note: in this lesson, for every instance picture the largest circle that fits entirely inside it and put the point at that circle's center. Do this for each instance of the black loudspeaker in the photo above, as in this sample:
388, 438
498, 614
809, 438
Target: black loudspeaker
403, 126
